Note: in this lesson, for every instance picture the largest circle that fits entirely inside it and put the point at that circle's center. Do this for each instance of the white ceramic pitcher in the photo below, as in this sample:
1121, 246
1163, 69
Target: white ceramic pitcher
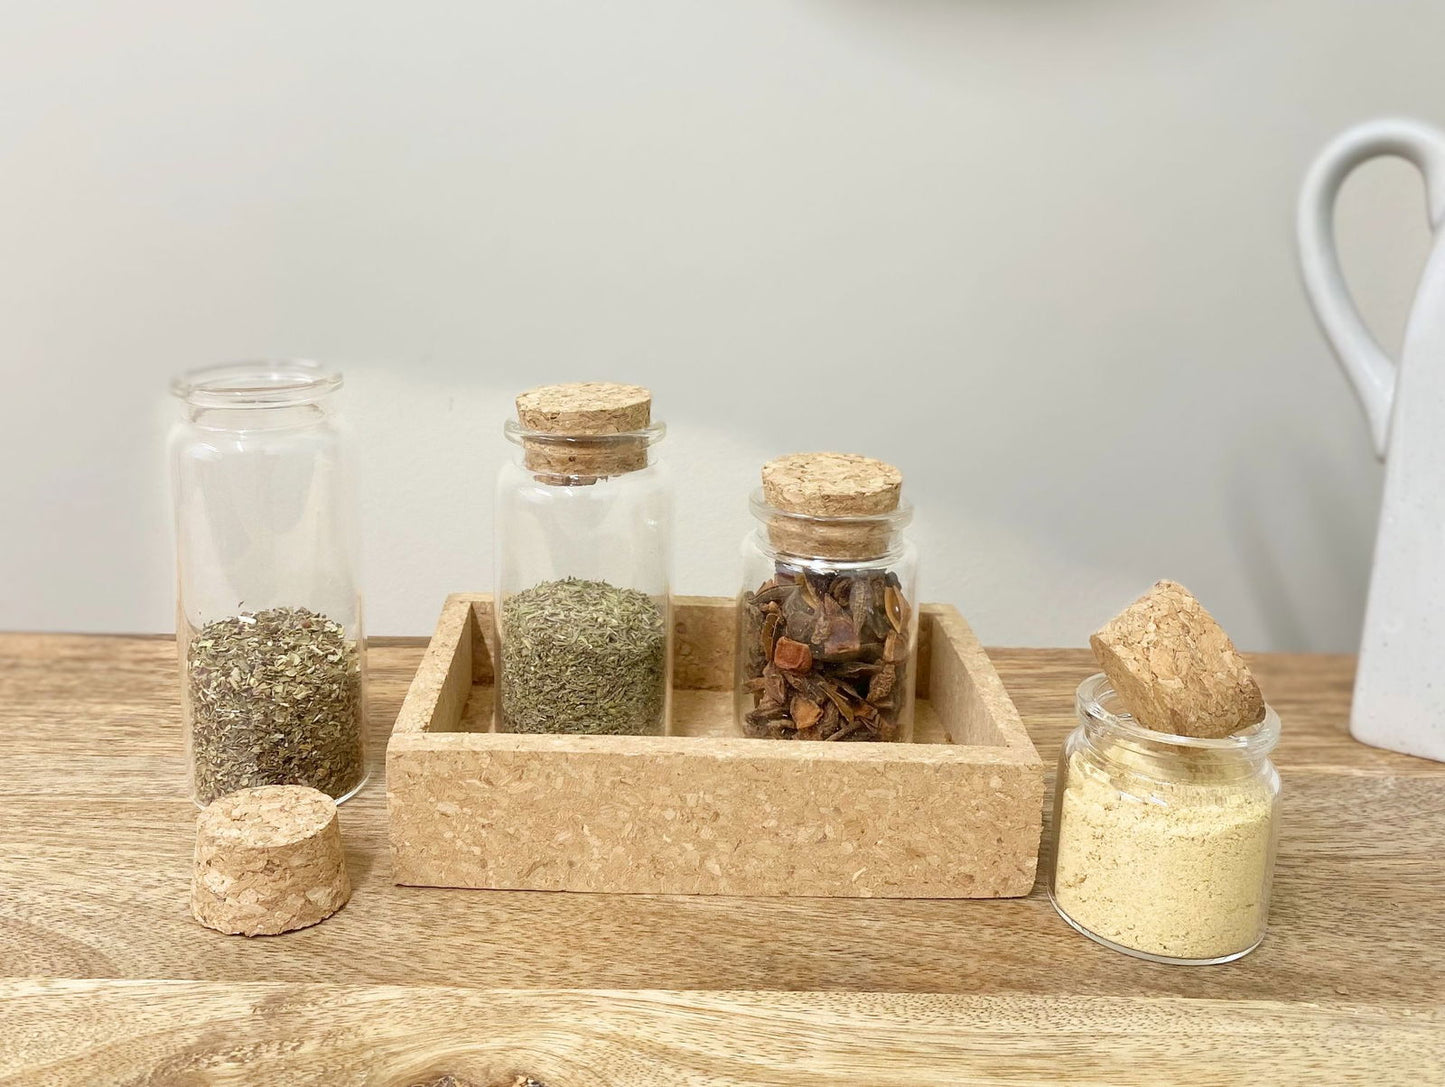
1400, 687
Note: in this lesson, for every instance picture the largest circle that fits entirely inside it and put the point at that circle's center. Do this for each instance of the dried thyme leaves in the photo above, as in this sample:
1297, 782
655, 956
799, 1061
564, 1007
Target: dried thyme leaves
582, 657
826, 655
275, 699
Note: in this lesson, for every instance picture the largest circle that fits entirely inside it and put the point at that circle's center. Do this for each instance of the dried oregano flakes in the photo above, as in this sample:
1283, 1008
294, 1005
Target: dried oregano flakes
275, 699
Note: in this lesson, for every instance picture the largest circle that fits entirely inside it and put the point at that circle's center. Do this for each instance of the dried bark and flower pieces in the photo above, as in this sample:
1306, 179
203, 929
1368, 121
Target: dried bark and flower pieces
825, 656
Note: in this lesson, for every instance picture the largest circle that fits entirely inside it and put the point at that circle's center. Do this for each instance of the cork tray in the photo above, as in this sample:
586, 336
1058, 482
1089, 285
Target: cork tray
955, 814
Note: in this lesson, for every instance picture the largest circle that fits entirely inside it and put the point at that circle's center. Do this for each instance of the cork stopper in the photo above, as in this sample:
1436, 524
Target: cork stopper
831, 505
268, 860
585, 429
1175, 669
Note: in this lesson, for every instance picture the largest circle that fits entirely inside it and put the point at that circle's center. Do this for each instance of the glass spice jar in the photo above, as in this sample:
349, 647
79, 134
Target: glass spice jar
827, 619
268, 613
583, 562
1165, 844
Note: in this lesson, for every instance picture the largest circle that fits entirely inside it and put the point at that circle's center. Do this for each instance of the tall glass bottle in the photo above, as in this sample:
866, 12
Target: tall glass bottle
269, 623
583, 605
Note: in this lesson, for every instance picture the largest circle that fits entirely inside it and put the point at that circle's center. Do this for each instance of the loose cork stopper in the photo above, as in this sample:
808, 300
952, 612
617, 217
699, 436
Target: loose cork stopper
1175, 669
584, 410
268, 860
817, 487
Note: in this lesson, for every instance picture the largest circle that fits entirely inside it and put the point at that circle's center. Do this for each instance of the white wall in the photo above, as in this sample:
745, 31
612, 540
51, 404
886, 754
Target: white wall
1037, 253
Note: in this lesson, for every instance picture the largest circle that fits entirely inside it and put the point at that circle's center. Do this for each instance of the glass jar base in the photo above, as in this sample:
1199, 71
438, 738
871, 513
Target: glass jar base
342, 799
1147, 955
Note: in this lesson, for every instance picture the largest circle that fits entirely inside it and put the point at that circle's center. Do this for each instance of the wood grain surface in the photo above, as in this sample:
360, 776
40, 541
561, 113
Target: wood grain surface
109, 981
262, 1034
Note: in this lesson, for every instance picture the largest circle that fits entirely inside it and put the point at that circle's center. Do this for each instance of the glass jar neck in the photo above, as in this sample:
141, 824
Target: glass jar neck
871, 540
560, 457
274, 417
262, 395
1114, 736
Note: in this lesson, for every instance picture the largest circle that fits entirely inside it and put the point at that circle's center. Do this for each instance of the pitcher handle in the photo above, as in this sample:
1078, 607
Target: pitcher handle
1370, 370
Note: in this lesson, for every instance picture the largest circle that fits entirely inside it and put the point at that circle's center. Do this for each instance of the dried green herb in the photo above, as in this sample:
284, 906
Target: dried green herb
583, 657
825, 655
275, 699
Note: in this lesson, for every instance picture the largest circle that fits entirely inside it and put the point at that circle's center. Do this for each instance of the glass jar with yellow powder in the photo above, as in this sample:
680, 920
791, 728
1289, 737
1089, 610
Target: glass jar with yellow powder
1164, 844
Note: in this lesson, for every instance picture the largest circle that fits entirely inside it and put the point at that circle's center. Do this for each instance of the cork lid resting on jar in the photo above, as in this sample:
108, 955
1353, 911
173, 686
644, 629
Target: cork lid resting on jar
833, 505
584, 430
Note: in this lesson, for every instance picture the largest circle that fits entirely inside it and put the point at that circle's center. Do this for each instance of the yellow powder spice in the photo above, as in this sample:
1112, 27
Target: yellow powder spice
1173, 868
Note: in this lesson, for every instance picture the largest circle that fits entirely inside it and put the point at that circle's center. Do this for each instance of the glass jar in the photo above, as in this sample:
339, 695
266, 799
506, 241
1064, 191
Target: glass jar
827, 617
1164, 844
268, 613
583, 564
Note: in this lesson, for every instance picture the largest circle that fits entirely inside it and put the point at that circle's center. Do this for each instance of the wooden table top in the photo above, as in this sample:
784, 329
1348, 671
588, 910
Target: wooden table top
104, 978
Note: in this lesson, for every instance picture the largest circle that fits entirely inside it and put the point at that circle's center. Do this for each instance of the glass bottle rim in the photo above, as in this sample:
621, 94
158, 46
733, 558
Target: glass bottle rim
893, 520
256, 383
1103, 719
649, 436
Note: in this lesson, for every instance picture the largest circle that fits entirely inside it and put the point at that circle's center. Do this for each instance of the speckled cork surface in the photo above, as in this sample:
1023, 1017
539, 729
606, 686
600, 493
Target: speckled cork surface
588, 407
1175, 668
816, 493
583, 410
268, 860
708, 812
831, 484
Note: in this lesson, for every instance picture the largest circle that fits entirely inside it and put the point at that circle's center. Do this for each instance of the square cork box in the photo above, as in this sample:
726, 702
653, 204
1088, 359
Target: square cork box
955, 814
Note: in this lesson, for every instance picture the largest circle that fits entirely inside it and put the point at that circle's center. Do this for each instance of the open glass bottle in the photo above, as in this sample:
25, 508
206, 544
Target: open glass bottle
268, 613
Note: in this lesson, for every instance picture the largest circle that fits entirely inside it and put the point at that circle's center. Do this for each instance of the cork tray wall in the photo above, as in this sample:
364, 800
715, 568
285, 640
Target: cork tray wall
955, 814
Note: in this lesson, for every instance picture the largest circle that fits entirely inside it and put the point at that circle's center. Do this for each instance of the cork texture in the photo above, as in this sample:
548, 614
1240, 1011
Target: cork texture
840, 540
708, 812
268, 860
831, 484
580, 433
1175, 669
590, 407
809, 489
704, 642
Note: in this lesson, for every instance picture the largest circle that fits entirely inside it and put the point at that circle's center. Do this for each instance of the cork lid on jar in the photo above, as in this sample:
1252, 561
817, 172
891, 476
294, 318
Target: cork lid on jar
833, 505
586, 429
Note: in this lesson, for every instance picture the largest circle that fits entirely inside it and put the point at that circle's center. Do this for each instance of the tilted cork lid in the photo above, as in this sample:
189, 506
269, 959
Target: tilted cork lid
585, 429
832, 505
1175, 669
